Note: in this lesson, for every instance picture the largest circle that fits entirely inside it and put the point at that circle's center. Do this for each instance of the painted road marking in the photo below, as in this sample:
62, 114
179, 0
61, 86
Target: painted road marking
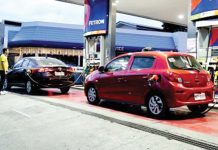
22, 113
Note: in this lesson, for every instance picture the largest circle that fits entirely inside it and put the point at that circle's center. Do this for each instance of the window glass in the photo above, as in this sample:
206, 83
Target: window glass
141, 62
49, 62
25, 63
184, 63
18, 64
32, 64
118, 64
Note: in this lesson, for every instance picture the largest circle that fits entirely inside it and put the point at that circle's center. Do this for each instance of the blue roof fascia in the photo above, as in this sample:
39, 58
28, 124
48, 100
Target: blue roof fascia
140, 40
49, 34
37, 37
11, 35
139, 49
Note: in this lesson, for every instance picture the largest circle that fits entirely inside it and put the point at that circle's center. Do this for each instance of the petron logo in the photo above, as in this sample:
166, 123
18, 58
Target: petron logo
96, 22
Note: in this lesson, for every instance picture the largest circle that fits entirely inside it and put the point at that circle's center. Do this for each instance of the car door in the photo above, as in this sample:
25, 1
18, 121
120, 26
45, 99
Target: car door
137, 76
112, 81
12, 76
21, 73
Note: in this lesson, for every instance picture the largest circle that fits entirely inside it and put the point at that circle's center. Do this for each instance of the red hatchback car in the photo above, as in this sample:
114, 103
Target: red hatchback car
158, 80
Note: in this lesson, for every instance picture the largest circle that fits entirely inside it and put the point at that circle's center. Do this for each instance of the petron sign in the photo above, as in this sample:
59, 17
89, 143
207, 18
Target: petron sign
96, 17
204, 9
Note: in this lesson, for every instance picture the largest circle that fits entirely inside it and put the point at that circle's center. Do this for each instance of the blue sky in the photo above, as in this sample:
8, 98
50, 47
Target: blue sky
54, 11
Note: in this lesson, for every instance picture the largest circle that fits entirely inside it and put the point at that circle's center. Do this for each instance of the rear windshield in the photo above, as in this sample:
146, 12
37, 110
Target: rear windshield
184, 63
50, 62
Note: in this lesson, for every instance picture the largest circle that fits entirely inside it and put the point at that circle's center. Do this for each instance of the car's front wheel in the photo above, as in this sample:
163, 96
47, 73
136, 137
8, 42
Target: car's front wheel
65, 90
92, 95
156, 106
198, 109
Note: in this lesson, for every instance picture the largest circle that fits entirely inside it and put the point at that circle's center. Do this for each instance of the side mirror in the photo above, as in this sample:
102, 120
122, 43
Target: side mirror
101, 69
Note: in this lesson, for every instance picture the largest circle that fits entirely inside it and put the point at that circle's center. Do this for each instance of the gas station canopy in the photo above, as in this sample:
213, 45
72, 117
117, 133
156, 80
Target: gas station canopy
170, 11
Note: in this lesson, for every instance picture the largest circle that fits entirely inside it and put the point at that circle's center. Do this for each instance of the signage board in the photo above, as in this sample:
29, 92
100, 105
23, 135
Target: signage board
214, 37
204, 9
96, 17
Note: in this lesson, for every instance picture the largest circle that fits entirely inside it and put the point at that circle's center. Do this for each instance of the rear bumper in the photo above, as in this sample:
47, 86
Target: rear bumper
181, 95
52, 82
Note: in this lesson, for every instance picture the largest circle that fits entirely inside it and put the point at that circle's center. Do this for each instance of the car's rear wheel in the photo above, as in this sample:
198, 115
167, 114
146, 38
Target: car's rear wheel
156, 106
65, 90
92, 95
7, 86
29, 87
198, 109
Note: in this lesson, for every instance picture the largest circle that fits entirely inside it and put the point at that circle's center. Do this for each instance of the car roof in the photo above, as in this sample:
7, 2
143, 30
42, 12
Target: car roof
38, 58
156, 53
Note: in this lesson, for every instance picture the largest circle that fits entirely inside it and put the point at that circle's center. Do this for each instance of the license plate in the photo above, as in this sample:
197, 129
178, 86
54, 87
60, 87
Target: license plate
199, 96
59, 73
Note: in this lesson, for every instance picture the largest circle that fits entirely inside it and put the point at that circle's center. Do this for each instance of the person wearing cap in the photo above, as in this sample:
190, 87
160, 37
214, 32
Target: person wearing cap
3, 69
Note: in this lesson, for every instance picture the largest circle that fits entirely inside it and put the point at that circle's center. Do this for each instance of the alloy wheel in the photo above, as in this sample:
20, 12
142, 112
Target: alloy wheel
92, 95
29, 87
155, 105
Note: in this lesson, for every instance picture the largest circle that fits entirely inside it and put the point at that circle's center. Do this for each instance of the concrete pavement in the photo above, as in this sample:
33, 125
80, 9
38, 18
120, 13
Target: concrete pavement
44, 122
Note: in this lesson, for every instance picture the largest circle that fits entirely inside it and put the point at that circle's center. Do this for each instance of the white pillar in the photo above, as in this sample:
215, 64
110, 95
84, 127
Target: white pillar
102, 51
78, 60
111, 37
85, 52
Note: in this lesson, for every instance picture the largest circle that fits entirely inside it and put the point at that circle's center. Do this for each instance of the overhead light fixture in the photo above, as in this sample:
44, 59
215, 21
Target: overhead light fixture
181, 16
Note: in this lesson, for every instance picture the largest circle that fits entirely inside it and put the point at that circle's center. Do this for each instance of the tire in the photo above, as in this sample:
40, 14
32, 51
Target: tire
65, 90
7, 86
197, 109
92, 95
156, 106
29, 87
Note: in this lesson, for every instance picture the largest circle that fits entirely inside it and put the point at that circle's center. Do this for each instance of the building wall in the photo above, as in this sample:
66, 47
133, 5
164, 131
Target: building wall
6, 30
180, 39
72, 56
2, 34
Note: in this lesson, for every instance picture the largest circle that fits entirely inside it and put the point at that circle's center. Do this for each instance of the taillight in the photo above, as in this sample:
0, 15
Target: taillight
71, 70
174, 77
41, 70
44, 70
